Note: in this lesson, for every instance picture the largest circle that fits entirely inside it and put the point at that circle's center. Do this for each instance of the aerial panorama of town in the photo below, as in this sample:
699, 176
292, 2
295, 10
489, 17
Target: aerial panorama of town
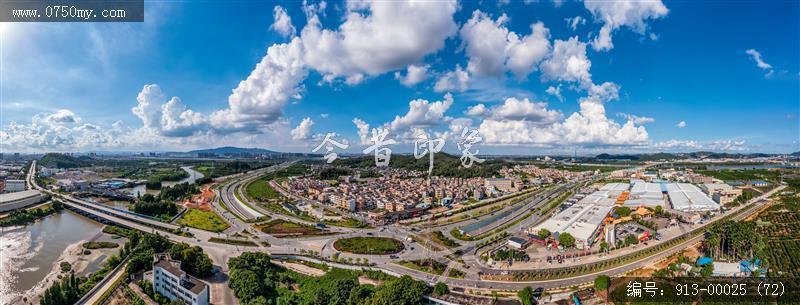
393, 152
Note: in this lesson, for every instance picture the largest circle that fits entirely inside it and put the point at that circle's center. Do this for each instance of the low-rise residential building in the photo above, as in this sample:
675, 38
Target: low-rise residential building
517, 242
172, 282
14, 186
500, 184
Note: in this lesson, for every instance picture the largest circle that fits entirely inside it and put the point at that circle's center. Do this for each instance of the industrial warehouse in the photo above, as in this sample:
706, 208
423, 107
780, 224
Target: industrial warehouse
16, 200
584, 218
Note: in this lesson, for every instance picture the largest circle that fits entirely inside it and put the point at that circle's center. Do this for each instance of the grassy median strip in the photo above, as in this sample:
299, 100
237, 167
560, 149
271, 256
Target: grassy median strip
203, 220
439, 238
235, 242
368, 245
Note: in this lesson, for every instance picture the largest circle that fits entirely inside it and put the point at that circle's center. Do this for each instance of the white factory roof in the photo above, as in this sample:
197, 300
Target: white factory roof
600, 198
646, 194
11, 197
615, 187
579, 220
689, 198
713, 187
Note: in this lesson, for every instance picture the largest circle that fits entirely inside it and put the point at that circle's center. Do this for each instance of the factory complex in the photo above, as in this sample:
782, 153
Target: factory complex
584, 215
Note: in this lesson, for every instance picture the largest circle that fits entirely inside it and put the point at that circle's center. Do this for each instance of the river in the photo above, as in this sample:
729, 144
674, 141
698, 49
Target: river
751, 166
28, 252
193, 176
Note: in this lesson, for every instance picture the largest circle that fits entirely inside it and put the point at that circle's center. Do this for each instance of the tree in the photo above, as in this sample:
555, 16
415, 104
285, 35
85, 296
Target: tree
193, 259
544, 233
601, 282
623, 211
360, 293
526, 295
658, 210
603, 246
245, 284
707, 270
440, 289
401, 291
566, 240
251, 277
631, 239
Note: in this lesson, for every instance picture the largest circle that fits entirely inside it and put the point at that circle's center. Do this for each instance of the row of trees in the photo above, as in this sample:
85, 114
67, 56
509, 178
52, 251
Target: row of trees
178, 191
144, 245
63, 292
735, 239
22, 216
256, 281
154, 206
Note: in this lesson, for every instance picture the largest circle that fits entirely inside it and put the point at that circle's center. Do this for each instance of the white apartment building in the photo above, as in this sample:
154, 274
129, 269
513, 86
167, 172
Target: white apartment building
172, 282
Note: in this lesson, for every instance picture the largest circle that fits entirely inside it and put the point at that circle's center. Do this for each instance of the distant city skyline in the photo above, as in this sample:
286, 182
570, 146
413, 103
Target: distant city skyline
546, 77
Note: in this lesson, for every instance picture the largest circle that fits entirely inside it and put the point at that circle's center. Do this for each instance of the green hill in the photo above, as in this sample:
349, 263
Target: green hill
63, 161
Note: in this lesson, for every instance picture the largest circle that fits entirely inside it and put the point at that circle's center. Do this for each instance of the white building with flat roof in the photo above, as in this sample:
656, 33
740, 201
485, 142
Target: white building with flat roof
172, 282
689, 198
645, 194
615, 187
581, 220
16, 200
599, 198
14, 186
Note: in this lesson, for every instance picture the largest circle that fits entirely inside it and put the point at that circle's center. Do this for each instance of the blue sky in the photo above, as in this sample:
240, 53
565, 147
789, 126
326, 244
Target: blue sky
622, 80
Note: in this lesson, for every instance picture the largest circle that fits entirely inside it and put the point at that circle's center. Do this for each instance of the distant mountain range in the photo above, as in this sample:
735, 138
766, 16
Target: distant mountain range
679, 156
230, 150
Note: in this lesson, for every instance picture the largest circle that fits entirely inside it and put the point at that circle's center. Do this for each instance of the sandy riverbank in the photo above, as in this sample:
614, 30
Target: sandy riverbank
82, 265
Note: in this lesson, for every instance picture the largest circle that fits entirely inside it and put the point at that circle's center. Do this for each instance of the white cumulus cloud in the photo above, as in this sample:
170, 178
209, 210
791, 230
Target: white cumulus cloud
574, 22
532, 112
493, 49
478, 110
422, 113
568, 62
617, 14
415, 74
283, 22
303, 130
456, 80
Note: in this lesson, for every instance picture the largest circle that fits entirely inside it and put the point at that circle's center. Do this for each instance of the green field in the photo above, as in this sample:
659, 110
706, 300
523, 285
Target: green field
780, 226
99, 245
744, 174
441, 239
203, 220
369, 245
282, 228
261, 190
